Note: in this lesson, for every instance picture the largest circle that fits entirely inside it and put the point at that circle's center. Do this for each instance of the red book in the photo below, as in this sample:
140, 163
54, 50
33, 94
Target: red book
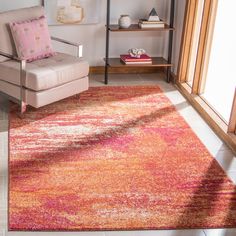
128, 58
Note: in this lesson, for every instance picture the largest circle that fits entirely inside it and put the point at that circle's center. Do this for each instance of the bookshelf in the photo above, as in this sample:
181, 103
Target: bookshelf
156, 61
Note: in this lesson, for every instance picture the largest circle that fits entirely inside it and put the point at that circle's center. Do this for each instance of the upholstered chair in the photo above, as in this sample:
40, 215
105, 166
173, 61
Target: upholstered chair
42, 81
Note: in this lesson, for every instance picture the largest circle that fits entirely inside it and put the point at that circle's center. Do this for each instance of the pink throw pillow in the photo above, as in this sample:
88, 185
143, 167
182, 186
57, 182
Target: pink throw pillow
32, 39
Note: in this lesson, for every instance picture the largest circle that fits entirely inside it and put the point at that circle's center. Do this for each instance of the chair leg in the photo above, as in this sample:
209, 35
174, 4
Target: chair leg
23, 108
77, 96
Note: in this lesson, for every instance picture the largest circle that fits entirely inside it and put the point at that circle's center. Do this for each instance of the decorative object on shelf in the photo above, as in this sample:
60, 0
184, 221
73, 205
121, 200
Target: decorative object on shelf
131, 60
61, 12
136, 52
153, 15
124, 21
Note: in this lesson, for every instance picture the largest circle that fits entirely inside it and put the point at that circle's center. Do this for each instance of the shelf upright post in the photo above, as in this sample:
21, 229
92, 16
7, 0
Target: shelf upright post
171, 32
107, 41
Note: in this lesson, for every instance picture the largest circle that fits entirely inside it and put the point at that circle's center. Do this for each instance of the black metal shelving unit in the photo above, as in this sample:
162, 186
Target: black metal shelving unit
157, 61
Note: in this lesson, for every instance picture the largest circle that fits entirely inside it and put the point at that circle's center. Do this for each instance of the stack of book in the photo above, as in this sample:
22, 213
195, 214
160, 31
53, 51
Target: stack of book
147, 24
129, 60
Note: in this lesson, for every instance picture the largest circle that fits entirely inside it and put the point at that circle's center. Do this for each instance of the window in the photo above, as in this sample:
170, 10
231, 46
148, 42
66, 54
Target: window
206, 74
220, 77
195, 40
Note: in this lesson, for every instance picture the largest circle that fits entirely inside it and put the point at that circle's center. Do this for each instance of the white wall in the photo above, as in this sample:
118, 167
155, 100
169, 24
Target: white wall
93, 36
14, 4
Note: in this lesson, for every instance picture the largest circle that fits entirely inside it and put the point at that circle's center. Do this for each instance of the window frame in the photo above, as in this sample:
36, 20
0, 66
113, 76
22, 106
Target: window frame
193, 94
232, 121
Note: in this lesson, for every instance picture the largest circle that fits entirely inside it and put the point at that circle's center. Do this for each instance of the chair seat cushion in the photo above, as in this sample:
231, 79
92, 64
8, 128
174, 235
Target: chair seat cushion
45, 73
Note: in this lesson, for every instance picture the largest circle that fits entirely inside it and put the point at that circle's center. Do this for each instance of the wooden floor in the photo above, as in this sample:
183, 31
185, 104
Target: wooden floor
216, 147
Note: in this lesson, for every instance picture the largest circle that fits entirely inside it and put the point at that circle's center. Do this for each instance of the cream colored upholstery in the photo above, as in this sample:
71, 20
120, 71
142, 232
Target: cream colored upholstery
46, 73
42, 98
47, 80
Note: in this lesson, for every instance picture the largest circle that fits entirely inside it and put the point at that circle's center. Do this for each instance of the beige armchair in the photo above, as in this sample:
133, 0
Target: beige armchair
40, 82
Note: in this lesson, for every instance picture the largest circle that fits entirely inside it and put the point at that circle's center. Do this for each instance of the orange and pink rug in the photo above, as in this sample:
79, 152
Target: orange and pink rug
119, 158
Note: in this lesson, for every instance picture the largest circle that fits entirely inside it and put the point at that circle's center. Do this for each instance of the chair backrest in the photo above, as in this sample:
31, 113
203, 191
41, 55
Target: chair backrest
6, 41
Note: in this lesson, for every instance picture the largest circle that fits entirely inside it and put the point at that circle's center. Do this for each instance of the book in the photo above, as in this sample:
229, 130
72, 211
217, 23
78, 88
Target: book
144, 21
128, 58
145, 24
149, 26
137, 62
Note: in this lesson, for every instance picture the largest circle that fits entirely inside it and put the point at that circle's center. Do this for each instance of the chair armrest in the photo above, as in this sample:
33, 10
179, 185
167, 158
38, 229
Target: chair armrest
22, 73
79, 47
9, 56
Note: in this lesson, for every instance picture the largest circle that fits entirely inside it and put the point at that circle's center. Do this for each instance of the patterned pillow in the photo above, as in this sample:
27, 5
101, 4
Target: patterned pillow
32, 39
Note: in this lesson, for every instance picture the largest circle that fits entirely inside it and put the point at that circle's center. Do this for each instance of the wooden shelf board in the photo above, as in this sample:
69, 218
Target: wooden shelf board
135, 27
156, 62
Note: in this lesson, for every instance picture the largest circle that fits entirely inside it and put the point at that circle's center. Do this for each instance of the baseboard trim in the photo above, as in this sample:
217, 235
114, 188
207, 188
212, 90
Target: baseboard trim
173, 77
124, 70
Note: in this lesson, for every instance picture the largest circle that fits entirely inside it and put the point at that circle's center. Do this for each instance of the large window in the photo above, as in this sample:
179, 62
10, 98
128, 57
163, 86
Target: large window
207, 63
221, 78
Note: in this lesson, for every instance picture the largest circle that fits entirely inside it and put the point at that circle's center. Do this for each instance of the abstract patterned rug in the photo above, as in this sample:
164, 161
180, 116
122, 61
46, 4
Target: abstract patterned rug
120, 158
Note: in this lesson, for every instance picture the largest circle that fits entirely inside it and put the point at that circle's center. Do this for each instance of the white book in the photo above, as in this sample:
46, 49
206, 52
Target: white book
138, 62
149, 26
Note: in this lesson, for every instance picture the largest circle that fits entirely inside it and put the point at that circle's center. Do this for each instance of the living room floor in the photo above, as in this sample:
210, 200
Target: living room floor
216, 147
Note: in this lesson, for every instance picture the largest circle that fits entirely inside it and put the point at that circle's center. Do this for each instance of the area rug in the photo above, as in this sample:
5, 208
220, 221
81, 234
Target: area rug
117, 158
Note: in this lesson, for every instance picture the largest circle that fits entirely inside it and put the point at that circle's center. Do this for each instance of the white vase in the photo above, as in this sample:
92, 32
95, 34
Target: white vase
124, 21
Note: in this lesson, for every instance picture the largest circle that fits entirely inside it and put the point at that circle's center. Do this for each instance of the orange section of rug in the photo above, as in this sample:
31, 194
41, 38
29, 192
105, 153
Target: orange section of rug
118, 158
